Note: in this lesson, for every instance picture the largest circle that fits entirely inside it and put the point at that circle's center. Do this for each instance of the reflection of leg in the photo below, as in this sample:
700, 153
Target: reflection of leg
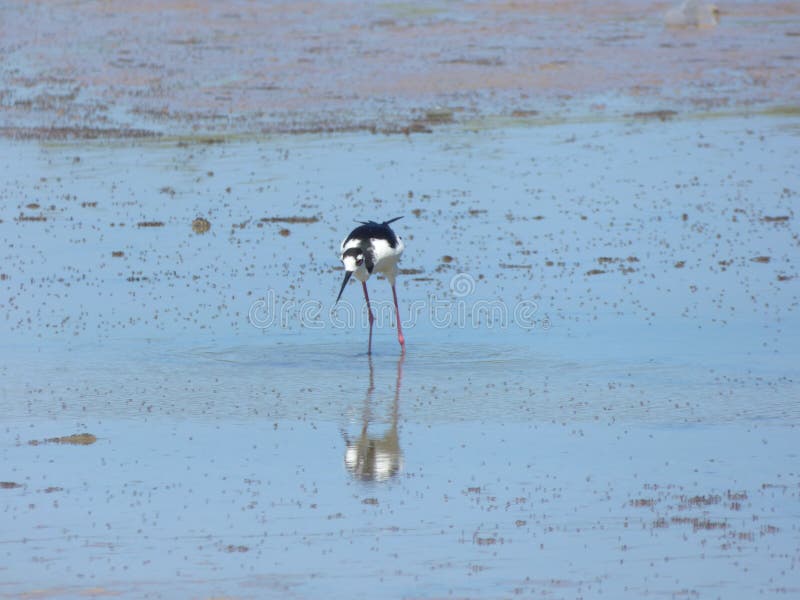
400, 337
363, 445
367, 416
371, 317
396, 404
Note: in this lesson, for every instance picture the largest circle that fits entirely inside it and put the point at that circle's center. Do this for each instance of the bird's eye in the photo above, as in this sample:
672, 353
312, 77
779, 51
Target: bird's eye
359, 261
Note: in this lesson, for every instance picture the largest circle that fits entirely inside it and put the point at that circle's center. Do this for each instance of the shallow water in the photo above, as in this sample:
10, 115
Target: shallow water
552, 430
228, 471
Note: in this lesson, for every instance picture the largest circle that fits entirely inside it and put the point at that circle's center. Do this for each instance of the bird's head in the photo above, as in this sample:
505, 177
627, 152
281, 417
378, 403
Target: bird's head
353, 259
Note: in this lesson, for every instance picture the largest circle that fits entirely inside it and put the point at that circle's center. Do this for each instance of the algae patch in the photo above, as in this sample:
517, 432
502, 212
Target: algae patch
201, 225
76, 439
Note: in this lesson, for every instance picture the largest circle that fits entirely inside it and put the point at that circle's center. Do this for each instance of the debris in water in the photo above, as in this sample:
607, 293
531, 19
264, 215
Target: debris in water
76, 439
22, 218
201, 225
521, 114
661, 115
291, 220
438, 115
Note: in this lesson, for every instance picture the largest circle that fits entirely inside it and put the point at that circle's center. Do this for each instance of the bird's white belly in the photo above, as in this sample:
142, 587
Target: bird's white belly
386, 257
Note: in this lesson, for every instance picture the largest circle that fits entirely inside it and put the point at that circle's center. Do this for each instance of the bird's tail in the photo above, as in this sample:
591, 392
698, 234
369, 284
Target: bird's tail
384, 223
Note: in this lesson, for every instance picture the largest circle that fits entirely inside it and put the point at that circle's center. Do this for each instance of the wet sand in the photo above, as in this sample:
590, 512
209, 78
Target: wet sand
600, 298
87, 69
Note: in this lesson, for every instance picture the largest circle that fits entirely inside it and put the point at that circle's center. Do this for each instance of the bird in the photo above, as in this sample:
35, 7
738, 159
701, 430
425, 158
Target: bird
692, 13
373, 248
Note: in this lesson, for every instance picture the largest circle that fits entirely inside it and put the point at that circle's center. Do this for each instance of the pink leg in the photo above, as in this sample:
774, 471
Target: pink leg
400, 337
371, 317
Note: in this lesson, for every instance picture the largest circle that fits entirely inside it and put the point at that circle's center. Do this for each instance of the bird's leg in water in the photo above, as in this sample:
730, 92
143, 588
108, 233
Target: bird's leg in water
400, 337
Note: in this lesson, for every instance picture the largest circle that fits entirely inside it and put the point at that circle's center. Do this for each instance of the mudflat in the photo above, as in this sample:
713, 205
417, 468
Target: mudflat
599, 295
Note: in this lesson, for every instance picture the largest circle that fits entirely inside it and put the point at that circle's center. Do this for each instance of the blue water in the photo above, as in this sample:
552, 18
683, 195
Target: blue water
553, 431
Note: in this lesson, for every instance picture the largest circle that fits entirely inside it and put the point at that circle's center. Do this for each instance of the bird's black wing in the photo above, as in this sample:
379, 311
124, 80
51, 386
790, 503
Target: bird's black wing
372, 230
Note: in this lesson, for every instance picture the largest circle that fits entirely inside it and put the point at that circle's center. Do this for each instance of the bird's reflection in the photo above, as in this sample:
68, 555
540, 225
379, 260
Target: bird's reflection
376, 457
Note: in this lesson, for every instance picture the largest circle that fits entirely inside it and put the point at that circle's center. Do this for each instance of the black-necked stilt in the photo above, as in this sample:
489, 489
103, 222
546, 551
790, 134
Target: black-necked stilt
373, 248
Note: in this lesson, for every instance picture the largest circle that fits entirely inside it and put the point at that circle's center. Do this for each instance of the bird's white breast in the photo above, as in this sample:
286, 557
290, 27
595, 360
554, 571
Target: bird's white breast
385, 256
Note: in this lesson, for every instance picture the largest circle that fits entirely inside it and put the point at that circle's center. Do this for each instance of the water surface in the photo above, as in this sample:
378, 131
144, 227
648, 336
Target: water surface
599, 394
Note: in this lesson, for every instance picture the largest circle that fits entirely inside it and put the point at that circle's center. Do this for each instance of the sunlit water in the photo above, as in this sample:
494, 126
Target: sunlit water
599, 394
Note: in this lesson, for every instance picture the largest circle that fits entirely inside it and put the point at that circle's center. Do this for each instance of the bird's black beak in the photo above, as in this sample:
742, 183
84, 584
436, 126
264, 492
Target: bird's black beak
347, 275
